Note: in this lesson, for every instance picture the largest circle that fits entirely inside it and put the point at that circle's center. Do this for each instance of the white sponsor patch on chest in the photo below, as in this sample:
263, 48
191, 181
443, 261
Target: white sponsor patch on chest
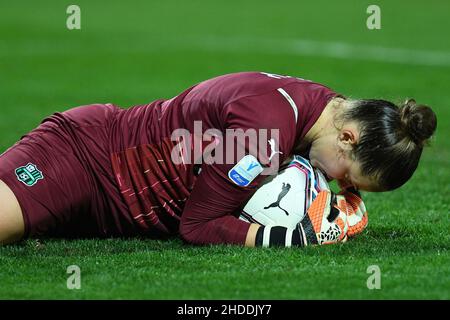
245, 171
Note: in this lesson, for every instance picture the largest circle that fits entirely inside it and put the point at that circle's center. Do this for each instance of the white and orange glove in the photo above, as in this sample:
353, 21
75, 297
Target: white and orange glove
333, 218
357, 218
325, 222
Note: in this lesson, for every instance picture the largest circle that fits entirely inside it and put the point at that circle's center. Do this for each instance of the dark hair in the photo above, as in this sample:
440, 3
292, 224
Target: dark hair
391, 138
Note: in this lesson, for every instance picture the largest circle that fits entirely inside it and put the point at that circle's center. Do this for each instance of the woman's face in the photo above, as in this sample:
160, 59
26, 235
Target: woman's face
332, 155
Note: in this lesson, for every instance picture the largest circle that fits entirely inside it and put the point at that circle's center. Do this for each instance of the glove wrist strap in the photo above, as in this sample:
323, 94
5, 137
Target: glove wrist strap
279, 236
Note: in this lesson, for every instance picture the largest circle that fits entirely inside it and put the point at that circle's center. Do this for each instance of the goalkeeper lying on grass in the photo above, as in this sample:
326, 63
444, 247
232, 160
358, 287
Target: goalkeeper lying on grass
186, 165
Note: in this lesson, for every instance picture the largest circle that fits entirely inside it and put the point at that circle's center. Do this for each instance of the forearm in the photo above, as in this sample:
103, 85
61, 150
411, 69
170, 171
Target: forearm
251, 235
222, 230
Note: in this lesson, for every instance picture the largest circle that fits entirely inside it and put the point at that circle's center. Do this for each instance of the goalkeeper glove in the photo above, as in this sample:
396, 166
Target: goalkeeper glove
324, 223
357, 218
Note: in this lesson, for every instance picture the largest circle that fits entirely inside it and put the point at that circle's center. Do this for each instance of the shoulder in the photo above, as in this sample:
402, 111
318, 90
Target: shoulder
230, 87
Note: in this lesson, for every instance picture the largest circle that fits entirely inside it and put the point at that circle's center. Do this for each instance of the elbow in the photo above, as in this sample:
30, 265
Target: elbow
188, 233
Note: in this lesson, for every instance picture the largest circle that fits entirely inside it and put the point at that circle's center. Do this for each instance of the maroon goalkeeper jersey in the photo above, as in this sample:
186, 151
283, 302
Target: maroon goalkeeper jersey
158, 151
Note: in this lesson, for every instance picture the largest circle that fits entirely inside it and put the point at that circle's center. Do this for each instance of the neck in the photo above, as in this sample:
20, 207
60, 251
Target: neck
324, 125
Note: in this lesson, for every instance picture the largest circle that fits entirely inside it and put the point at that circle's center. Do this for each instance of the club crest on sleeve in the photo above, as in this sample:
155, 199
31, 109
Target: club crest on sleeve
29, 174
245, 171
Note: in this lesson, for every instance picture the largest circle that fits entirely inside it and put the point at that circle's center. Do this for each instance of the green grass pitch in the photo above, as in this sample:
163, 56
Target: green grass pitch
131, 53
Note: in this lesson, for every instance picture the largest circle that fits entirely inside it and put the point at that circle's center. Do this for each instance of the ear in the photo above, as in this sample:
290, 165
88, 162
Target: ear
348, 137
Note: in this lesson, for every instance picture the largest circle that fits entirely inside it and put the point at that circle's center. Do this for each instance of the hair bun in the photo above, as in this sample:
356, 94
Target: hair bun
419, 121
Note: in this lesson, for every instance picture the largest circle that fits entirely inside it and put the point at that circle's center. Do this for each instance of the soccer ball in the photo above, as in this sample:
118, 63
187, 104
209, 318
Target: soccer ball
283, 199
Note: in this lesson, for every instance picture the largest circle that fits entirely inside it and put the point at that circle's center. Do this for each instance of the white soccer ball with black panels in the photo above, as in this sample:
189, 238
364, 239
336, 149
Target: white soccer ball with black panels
283, 199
